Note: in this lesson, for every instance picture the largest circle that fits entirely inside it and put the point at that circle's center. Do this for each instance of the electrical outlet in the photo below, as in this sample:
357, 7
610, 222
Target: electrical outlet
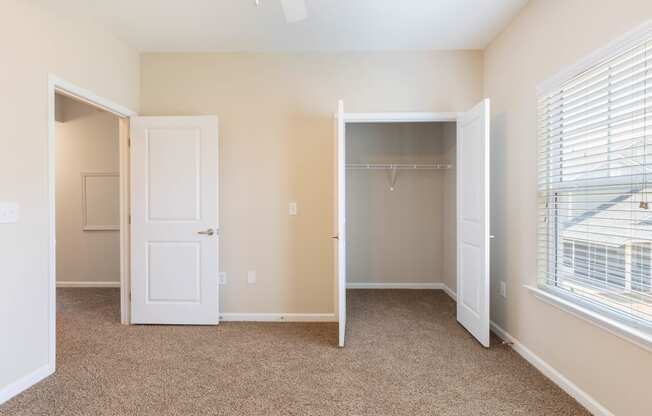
503, 289
221, 277
8, 212
251, 277
293, 209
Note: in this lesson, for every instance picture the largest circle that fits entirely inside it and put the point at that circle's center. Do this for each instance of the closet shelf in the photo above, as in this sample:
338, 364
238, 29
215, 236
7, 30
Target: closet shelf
400, 166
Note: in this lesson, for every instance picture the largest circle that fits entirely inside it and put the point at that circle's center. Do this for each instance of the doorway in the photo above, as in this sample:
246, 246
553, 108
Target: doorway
464, 135
87, 195
400, 197
93, 195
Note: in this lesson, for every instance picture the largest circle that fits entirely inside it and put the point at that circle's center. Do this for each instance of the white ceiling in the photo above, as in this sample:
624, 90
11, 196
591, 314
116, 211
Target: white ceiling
332, 25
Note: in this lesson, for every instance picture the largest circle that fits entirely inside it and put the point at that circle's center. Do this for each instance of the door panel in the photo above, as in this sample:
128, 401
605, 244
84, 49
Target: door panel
179, 148
340, 181
473, 222
174, 203
166, 261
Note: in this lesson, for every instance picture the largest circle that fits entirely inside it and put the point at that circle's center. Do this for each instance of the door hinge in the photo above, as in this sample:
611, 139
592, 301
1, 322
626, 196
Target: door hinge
129, 142
130, 219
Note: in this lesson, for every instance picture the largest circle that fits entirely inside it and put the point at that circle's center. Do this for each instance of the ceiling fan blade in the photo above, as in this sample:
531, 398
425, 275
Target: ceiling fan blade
295, 10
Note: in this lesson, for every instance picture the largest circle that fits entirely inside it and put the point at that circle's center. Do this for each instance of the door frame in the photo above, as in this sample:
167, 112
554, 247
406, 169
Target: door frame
389, 117
61, 86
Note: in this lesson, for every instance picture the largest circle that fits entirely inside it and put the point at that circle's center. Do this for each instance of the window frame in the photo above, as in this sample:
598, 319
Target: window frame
634, 330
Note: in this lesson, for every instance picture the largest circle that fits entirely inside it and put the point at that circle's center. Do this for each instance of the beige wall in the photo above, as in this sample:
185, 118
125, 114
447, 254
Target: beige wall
33, 44
396, 236
276, 145
86, 141
547, 36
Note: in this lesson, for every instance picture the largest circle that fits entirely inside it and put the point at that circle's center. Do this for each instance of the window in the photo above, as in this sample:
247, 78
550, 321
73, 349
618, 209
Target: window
641, 268
568, 253
595, 187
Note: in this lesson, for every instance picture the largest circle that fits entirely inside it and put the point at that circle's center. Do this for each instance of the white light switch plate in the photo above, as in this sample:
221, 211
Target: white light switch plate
251, 277
221, 277
8, 212
292, 208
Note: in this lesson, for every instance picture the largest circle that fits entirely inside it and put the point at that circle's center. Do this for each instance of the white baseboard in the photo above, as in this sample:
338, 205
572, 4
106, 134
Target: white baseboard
88, 284
449, 292
278, 317
24, 383
357, 285
591, 404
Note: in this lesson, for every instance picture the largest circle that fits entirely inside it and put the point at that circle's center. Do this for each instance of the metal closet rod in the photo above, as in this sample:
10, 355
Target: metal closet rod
400, 166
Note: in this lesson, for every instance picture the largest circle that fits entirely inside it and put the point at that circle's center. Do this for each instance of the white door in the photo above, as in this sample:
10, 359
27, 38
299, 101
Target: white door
473, 221
174, 217
340, 240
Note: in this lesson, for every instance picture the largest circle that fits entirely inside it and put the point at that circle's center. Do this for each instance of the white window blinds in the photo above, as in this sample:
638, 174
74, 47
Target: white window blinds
595, 187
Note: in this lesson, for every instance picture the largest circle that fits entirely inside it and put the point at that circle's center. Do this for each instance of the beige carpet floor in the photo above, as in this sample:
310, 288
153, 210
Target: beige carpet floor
406, 355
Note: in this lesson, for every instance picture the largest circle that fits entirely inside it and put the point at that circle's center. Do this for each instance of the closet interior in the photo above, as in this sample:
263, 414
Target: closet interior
401, 205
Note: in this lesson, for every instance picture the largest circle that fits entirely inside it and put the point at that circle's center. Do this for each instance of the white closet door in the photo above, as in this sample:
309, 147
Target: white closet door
473, 221
174, 212
340, 239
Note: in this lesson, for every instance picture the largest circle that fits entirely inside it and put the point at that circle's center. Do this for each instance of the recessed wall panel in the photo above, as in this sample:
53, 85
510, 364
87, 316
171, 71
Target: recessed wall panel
100, 201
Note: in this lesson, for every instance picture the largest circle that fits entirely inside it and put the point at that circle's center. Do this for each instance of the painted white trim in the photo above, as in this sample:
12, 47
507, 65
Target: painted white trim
340, 194
125, 221
52, 252
450, 292
278, 317
421, 117
88, 284
364, 285
555, 376
622, 43
58, 85
601, 320
24, 383
67, 88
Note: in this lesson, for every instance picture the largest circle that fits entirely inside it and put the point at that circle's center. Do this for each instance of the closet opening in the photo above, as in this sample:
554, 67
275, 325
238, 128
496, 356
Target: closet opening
412, 216
400, 206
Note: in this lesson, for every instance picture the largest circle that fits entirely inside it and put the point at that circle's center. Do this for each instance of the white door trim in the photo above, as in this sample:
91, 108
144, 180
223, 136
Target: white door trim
58, 85
340, 225
404, 117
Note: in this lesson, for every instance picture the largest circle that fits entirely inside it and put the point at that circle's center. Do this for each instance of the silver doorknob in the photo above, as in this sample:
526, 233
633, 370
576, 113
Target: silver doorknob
210, 231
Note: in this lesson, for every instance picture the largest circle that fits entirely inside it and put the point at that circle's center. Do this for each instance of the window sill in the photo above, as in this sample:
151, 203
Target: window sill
600, 319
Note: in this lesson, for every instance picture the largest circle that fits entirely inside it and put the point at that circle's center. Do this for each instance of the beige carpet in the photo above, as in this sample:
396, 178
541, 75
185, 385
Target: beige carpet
406, 355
